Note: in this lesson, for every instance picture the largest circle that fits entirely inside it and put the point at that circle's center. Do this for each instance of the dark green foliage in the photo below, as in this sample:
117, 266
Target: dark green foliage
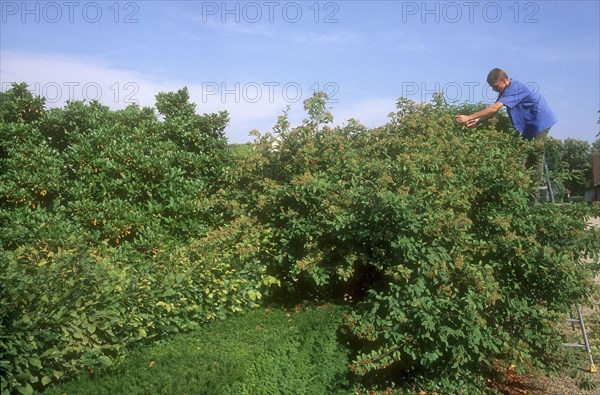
570, 165
122, 176
577, 156
107, 231
17, 105
263, 352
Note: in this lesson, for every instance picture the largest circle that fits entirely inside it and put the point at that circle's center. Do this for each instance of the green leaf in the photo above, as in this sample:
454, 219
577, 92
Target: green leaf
169, 292
253, 295
27, 390
35, 362
104, 360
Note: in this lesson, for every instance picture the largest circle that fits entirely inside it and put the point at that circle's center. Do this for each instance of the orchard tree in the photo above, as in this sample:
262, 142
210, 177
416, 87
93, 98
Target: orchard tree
578, 161
18, 105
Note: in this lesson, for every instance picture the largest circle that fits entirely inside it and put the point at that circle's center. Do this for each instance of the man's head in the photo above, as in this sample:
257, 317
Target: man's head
498, 80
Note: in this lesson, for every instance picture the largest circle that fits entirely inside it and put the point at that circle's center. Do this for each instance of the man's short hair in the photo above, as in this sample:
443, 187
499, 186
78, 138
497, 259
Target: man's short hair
495, 75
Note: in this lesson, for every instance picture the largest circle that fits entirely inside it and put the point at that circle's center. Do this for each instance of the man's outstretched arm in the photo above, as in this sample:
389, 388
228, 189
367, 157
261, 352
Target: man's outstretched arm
484, 114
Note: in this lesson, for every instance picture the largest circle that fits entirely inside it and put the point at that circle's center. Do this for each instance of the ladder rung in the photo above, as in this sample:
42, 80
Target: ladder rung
573, 320
575, 345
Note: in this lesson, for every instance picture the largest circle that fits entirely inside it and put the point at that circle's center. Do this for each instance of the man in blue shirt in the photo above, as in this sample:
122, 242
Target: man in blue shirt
528, 111
530, 114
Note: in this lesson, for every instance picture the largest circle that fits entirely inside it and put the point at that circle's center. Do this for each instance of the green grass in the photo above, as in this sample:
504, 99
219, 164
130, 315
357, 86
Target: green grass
261, 352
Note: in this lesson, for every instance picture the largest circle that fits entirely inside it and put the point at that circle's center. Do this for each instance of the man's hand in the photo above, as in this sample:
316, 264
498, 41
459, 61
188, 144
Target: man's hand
462, 118
466, 120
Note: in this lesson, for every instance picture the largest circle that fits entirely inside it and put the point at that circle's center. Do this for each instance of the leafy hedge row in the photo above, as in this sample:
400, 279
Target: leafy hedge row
119, 175
108, 230
118, 227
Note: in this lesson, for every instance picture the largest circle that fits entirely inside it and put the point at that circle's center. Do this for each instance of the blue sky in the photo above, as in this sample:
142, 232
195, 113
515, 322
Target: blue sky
254, 58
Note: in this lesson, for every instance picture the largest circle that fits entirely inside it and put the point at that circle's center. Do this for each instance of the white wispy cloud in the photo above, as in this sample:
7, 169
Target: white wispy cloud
341, 37
410, 47
247, 29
